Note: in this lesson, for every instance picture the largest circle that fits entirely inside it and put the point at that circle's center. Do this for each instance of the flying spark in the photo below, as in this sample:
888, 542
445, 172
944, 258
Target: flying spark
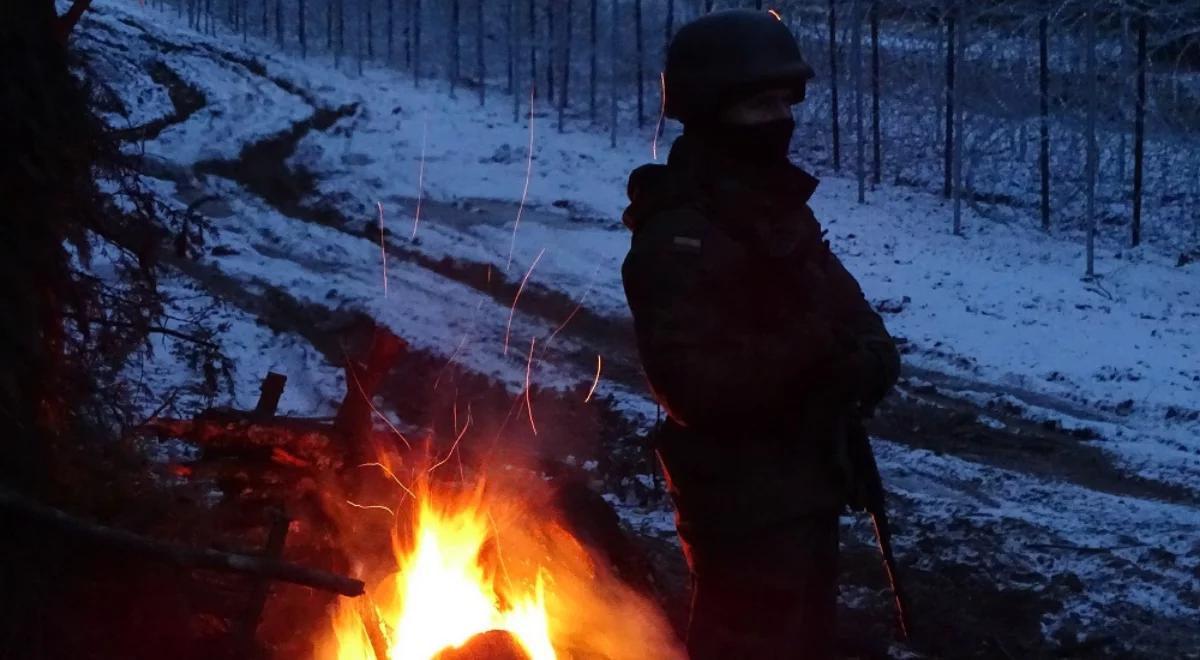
454, 446
391, 475
776, 14
528, 175
462, 342
528, 369
578, 306
513, 310
595, 381
371, 507
367, 399
420, 180
382, 249
662, 112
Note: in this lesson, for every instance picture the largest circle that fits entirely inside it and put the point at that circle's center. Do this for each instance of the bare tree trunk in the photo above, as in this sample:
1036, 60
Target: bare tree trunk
358, 42
510, 65
592, 70
708, 6
1139, 134
951, 16
1092, 150
265, 8
369, 27
860, 137
279, 23
391, 31
301, 32
550, 52
615, 55
833, 86
408, 30
341, 32
1044, 142
876, 132
453, 38
533, 45
641, 75
514, 53
329, 26
669, 24
480, 58
959, 119
416, 60
564, 93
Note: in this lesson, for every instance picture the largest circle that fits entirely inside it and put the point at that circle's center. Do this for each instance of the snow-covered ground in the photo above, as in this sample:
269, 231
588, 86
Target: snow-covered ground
1004, 308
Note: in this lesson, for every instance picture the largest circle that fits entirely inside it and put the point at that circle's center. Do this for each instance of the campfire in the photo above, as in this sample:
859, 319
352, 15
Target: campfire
456, 551
447, 588
482, 570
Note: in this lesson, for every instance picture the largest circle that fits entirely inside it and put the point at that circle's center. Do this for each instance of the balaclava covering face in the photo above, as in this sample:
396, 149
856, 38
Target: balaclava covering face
764, 143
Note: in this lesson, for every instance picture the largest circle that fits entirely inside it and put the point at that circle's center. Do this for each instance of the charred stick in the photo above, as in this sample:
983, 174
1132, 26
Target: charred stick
175, 553
262, 588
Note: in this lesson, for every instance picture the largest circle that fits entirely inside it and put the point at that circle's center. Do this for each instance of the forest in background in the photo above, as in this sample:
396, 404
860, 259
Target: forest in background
1079, 116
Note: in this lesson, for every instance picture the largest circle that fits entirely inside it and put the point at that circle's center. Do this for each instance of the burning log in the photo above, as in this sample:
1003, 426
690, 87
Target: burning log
294, 441
490, 645
267, 568
289, 441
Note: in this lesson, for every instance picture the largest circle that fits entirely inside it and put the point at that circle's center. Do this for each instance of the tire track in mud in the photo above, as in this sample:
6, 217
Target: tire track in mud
931, 420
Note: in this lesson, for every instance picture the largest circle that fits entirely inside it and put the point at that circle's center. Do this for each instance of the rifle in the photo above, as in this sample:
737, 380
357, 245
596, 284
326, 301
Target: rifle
867, 494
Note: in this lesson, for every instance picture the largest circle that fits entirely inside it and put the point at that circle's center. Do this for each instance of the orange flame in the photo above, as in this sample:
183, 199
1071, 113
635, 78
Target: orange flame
442, 594
447, 581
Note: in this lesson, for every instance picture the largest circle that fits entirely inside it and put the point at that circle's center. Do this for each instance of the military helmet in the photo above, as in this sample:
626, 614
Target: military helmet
726, 56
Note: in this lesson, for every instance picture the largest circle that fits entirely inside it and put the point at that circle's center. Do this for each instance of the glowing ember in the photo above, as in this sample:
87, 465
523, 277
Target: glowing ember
776, 14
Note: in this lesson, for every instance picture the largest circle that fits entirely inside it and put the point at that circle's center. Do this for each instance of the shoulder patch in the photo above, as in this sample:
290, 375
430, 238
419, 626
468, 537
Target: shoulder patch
687, 244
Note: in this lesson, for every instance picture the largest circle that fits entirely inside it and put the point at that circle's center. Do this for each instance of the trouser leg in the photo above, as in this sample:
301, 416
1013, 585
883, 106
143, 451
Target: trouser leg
766, 596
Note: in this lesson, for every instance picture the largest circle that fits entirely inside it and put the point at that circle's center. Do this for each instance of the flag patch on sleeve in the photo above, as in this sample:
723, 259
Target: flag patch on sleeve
687, 243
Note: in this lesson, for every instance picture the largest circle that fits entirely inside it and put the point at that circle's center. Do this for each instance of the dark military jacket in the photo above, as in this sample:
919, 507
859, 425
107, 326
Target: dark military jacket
753, 336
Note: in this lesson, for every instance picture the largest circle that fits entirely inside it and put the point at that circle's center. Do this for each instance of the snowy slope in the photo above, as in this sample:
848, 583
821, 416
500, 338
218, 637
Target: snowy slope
999, 316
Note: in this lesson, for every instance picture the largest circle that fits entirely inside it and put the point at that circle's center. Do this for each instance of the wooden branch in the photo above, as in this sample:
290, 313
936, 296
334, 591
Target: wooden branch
268, 399
174, 553
313, 442
262, 588
66, 23
157, 330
